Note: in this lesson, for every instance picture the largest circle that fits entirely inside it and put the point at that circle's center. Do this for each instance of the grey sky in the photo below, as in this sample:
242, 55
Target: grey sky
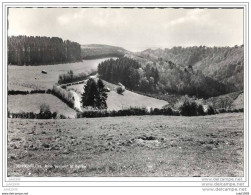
133, 29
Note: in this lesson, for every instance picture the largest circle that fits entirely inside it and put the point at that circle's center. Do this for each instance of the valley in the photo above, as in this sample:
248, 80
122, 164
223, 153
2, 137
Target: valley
121, 146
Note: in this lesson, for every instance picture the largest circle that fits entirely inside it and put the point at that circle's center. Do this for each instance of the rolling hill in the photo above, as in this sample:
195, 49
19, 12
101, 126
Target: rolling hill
96, 51
224, 64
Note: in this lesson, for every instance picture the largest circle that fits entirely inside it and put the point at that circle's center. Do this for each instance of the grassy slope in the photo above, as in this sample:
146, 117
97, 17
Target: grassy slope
31, 76
239, 102
180, 146
31, 103
116, 101
131, 99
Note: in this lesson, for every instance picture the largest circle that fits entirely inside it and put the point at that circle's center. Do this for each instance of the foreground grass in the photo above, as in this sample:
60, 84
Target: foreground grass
127, 146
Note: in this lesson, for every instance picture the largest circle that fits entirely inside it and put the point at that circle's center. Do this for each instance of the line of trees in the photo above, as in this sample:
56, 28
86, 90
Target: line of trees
124, 112
70, 77
30, 50
44, 113
18, 92
66, 96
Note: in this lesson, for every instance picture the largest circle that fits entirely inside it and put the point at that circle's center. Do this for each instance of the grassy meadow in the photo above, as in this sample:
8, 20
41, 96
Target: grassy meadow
32, 102
126, 100
30, 77
128, 146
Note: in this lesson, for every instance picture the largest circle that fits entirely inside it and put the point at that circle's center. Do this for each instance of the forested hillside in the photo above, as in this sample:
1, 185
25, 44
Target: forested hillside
160, 79
95, 51
29, 50
224, 64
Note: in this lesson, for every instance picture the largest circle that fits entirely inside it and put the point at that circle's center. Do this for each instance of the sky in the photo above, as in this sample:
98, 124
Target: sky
134, 29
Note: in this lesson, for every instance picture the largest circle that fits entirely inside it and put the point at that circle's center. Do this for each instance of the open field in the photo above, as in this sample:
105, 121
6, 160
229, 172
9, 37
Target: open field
31, 77
127, 146
32, 102
128, 99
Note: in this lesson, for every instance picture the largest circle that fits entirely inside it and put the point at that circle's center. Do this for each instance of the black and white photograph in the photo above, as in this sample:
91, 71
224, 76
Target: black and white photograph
126, 92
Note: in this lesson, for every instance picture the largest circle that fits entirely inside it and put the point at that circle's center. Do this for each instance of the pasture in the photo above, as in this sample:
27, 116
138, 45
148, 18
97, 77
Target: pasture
128, 146
32, 102
128, 99
30, 77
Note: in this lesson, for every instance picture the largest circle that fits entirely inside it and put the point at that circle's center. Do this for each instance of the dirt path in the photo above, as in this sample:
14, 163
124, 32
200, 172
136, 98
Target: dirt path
77, 101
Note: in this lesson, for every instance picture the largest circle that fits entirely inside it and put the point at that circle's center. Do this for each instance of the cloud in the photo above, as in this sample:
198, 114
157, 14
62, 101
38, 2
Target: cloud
132, 28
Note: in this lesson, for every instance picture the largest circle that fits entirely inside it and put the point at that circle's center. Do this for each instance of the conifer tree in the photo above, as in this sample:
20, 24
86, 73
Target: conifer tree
94, 94
102, 94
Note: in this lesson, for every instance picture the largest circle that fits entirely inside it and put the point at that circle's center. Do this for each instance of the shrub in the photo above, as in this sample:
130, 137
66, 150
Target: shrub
61, 116
54, 115
168, 111
45, 112
63, 86
235, 110
156, 111
164, 111
188, 108
120, 90
210, 110
222, 110
176, 113
200, 110
241, 109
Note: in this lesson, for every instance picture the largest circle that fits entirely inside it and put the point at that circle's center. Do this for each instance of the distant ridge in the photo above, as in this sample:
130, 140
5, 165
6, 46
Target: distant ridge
95, 51
224, 64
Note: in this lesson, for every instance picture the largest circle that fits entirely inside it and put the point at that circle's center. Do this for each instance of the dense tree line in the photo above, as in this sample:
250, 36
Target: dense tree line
30, 50
130, 73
